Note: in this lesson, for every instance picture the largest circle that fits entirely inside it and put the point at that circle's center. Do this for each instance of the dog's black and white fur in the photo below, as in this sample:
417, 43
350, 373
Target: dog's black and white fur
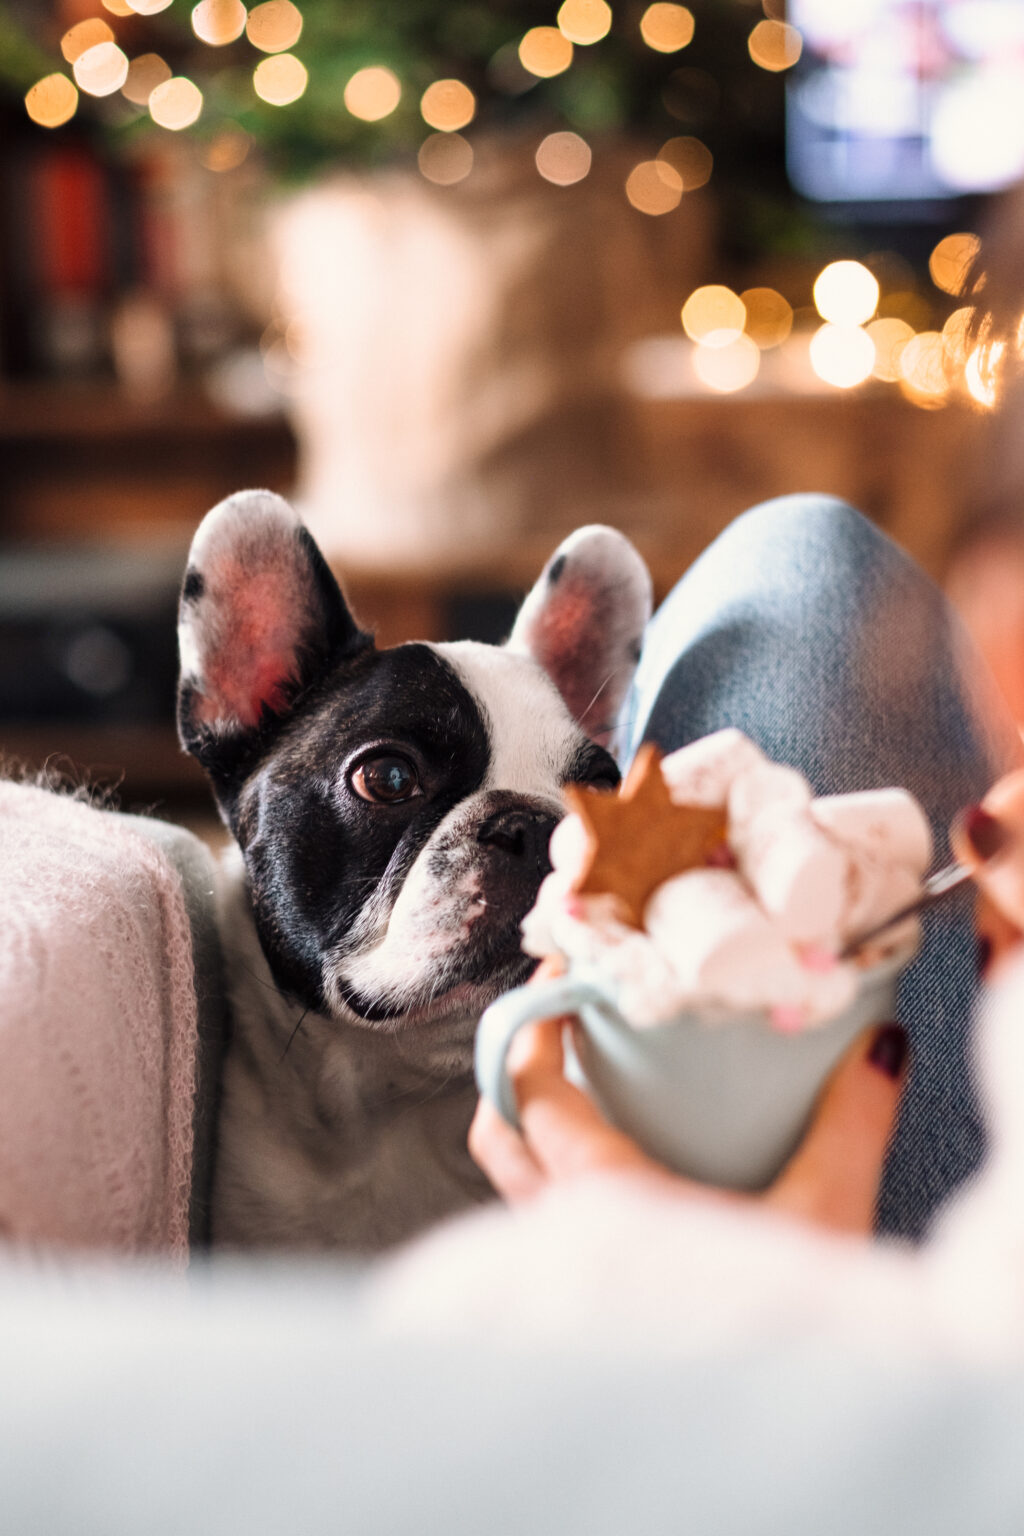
392, 810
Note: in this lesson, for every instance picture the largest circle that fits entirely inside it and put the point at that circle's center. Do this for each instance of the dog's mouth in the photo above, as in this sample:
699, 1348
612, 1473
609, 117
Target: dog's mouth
451, 996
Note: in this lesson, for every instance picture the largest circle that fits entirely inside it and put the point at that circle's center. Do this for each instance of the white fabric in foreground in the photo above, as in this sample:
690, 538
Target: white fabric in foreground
97, 1031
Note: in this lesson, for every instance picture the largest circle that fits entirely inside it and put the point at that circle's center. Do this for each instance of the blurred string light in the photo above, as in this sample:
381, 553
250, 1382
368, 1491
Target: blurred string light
775, 45
448, 105
690, 159
102, 70
728, 368
923, 371
280, 79
227, 151
52, 101
667, 28
83, 36
955, 333
373, 93
981, 373
769, 317
145, 73
654, 187
842, 355
274, 26
563, 158
545, 52
118, 7
950, 261
846, 293
714, 316
219, 22
445, 158
176, 103
148, 7
585, 21
889, 336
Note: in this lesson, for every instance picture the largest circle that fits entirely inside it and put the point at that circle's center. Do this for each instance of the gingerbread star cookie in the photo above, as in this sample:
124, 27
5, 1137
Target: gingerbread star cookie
638, 838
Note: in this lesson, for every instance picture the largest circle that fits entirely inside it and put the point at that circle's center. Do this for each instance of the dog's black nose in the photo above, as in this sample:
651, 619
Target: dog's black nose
522, 833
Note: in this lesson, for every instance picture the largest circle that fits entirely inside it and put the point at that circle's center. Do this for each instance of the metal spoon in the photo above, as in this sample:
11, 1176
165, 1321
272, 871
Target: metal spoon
941, 884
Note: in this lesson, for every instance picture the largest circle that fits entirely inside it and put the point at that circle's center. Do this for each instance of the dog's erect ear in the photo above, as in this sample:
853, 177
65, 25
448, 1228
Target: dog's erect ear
584, 622
261, 617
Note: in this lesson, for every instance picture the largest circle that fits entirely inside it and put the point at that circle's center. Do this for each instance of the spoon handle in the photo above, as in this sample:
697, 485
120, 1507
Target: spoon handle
941, 884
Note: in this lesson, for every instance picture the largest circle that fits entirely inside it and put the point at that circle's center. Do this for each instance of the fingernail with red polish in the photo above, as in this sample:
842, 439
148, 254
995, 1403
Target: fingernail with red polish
889, 1050
986, 835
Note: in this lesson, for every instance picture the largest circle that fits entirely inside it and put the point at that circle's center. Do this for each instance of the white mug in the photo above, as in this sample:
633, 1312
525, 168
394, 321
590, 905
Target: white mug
722, 1098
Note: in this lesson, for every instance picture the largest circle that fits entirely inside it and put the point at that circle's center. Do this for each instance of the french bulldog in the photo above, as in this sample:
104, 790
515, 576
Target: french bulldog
391, 810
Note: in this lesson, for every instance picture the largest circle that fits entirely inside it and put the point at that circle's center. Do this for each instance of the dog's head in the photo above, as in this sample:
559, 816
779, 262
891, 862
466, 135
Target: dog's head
393, 807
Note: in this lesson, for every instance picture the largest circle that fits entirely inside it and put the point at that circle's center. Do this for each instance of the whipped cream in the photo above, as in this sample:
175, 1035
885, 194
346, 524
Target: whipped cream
810, 876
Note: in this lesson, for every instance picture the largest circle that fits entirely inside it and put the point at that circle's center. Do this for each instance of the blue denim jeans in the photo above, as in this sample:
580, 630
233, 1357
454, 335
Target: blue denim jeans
808, 629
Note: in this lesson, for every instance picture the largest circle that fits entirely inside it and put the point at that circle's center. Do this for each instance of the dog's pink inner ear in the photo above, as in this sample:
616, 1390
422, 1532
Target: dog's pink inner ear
252, 659
562, 637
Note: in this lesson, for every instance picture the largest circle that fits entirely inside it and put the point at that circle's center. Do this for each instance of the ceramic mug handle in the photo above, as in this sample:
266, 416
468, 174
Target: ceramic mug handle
505, 1018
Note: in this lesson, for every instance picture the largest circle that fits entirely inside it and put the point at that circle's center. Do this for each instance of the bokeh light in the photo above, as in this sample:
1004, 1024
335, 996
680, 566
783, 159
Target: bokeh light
846, 293
950, 261
227, 151
955, 341
545, 52
51, 101
690, 159
714, 316
280, 80
563, 158
176, 104
373, 93
923, 371
769, 317
775, 45
274, 26
85, 35
448, 105
842, 355
102, 70
585, 21
218, 22
981, 373
654, 187
148, 7
118, 7
728, 368
890, 335
446, 158
667, 28
144, 75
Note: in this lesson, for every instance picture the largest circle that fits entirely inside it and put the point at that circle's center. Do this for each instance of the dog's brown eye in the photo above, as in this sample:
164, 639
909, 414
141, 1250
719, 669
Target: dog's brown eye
386, 778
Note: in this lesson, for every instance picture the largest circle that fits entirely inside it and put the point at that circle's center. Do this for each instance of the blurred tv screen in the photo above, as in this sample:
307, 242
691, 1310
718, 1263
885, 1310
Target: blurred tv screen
905, 100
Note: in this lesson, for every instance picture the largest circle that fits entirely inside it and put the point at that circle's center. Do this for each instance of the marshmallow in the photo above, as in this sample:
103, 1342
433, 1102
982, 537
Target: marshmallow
703, 772
763, 787
798, 875
886, 825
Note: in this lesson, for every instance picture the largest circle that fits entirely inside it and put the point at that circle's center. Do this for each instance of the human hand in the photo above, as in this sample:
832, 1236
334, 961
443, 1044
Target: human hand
831, 1180
989, 839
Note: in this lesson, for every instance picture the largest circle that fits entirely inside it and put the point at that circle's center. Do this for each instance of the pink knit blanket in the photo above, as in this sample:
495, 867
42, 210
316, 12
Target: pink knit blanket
97, 1031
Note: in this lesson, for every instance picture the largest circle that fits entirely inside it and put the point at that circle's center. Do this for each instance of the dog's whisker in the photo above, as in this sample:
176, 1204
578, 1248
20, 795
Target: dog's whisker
293, 1034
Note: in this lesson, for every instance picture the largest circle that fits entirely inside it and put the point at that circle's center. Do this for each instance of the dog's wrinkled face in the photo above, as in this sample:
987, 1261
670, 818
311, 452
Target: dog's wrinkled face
394, 807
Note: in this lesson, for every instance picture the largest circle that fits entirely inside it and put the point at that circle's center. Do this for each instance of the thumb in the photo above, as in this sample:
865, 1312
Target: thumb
833, 1176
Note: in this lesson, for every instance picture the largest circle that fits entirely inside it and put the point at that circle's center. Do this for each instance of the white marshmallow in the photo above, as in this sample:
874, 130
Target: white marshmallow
703, 772
568, 846
764, 787
798, 875
886, 825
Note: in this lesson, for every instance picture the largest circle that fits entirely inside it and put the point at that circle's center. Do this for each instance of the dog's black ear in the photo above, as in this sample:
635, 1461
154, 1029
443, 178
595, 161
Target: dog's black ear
261, 617
584, 622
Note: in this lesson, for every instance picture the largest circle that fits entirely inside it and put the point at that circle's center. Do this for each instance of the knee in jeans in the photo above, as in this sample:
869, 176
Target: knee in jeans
807, 515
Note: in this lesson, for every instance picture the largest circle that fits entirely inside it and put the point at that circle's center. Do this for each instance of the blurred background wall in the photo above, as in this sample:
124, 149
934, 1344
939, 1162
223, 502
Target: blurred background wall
460, 276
